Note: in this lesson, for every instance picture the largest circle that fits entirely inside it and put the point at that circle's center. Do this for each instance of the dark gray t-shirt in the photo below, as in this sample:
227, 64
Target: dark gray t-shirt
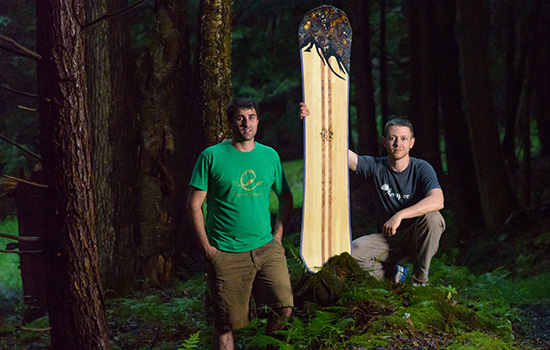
394, 191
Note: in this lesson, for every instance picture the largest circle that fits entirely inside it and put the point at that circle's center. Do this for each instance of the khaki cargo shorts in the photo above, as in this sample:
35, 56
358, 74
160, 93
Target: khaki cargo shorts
234, 277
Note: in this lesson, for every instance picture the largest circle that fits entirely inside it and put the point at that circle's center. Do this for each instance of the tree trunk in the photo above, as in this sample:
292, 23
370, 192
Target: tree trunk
423, 110
215, 67
361, 66
98, 78
497, 198
111, 93
513, 88
383, 68
75, 298
164, 97
31, 204
124, 139
463, 193
540, 77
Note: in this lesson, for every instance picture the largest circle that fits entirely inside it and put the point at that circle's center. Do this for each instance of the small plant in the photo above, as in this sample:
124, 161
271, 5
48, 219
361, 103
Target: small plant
192, 343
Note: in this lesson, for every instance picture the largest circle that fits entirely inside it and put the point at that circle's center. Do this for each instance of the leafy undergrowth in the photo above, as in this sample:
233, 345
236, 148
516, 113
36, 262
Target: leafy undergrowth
341, 307
457, 311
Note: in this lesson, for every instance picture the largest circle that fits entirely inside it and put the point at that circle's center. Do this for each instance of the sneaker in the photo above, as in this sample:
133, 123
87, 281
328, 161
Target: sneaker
418, 284
401, 274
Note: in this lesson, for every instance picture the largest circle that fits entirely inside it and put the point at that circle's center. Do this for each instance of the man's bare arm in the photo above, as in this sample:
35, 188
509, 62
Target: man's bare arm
352, 160
195, 200
283, 214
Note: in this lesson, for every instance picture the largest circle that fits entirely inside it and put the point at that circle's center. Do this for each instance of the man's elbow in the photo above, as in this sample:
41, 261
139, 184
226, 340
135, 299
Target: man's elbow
441, 203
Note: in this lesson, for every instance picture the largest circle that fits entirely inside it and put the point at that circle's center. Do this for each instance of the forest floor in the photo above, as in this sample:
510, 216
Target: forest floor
462, 309
152, 319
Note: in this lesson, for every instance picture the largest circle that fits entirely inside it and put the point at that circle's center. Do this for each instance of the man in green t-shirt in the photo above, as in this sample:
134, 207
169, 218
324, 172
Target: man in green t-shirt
244, 255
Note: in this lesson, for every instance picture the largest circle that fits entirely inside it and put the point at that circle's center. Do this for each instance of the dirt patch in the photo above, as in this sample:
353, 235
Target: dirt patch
535, 328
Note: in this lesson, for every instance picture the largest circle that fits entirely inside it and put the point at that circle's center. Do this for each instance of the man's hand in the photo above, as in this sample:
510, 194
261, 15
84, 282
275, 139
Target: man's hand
210, 251
390, 227
304, 111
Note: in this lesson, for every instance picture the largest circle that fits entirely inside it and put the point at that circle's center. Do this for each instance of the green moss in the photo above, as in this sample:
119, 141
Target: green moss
391, 323
426, 317
369, 341
479, 340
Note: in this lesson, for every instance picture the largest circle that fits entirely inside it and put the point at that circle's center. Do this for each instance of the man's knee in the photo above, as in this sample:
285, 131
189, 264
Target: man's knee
435, 222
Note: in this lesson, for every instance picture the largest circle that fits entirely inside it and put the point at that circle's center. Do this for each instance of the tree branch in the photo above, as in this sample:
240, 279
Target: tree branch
21, 252
21, 238
47, 329
30, 153
109, 15
25, 181
18, 92
30, 109
19, 49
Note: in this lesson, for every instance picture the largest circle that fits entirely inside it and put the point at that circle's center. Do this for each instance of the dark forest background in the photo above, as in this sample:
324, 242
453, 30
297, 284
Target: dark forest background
106, 104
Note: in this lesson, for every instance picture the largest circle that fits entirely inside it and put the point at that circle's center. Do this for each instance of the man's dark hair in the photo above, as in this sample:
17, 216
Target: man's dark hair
398, 122
239, 103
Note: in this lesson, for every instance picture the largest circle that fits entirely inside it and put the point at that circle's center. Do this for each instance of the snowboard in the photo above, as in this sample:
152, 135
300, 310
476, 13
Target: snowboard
325, 43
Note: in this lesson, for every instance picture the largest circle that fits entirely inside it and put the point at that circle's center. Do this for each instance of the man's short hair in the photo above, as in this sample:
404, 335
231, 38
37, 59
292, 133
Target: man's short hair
398, 121
239, 103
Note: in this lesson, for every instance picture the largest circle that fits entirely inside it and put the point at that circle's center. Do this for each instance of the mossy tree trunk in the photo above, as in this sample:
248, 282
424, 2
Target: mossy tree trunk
75, 297
215, 67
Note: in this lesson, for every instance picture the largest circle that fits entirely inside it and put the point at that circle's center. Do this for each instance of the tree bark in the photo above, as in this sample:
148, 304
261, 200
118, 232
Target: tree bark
464, 192
383, 68
215, 67
513, 87
368, 139
423, 108
497, 198
539, 76
164, 96
99, 102
75, 298
112, 95
124, 138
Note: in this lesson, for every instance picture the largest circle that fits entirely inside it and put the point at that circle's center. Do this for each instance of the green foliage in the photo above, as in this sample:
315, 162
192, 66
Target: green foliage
10, 278
478, 340
191, 343
161, 310
4, 21
295, 263
294, 171
175, 313
30, 333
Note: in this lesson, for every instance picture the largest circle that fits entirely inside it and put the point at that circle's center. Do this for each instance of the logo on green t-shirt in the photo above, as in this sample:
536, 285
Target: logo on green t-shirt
248, 180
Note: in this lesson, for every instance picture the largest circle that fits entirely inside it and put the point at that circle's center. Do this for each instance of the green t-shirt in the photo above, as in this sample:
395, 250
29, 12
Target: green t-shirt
238, 185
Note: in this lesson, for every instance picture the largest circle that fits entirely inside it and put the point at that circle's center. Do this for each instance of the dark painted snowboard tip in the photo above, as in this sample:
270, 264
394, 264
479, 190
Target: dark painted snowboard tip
327, 29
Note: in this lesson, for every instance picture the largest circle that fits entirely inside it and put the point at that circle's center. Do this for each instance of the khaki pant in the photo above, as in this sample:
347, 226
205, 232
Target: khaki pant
416, 244
233, 277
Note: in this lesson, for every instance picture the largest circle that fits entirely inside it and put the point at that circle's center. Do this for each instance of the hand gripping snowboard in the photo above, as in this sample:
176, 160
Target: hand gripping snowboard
325, 42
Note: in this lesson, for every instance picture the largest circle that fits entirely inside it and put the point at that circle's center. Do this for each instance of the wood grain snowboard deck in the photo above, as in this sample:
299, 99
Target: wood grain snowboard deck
325, 42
